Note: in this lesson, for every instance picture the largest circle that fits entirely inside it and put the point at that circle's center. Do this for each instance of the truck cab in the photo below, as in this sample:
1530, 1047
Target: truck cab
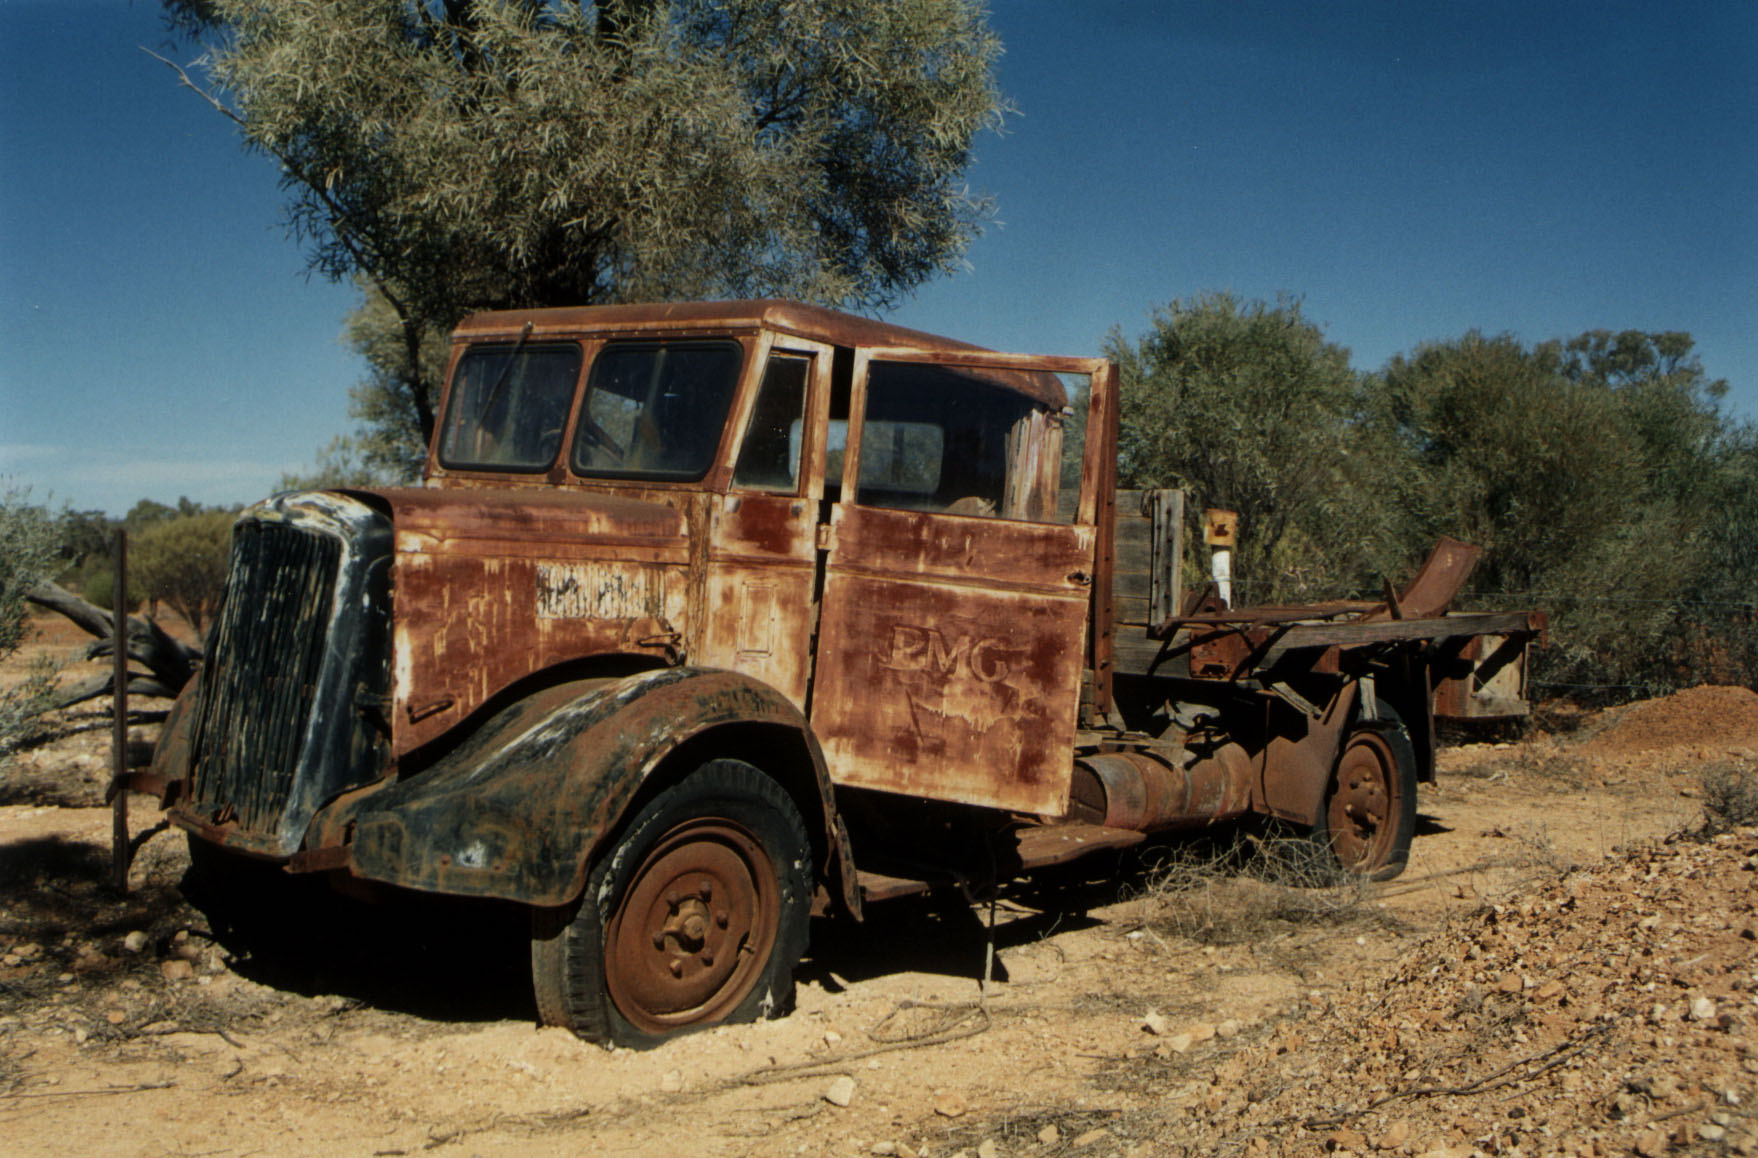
710, 615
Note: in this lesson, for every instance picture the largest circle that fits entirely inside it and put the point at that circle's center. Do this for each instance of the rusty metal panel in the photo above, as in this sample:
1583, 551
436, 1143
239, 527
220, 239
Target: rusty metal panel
492, 588
1297, 760
949, 656
760, 578
1494, 688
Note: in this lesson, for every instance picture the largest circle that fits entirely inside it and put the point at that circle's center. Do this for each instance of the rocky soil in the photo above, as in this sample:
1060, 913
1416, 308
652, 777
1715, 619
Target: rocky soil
1568, 966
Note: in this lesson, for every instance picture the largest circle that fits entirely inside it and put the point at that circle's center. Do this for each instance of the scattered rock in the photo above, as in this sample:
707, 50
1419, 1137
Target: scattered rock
1090, 1137
1050, 1135
950, 1105
1346, 1139
841, 1091
135, 941
1154, 1023
987, 1148
177, 969
1702, 1009
1394, 1136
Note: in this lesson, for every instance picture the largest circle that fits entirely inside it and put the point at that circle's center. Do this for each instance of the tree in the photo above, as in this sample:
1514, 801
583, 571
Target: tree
183, 560
469, 154
1248, 408
1586, 469
29, 554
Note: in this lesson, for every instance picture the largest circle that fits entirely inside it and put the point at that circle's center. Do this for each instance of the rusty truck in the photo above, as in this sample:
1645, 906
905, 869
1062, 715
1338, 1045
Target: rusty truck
707, 617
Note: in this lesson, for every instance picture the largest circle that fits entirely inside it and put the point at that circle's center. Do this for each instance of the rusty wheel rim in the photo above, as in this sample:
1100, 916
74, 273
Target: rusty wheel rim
692, 933
1363, 805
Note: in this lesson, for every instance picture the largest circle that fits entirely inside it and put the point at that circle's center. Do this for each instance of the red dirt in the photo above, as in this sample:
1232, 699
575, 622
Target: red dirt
1701, 715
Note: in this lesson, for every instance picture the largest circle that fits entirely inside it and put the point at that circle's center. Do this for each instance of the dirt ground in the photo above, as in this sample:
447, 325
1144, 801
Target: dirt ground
1553, 974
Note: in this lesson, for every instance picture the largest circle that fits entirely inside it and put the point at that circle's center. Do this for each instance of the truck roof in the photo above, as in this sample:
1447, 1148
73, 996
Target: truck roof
832, 327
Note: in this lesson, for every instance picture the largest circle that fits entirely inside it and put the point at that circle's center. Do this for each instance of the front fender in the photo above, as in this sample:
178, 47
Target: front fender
517, 811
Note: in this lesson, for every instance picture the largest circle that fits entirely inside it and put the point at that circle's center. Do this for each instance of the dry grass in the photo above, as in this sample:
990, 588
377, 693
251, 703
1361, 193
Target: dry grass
1253, 892
1730, 796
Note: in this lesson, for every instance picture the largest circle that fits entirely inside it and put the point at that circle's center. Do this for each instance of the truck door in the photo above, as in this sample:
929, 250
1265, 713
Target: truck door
762, 555
958, 571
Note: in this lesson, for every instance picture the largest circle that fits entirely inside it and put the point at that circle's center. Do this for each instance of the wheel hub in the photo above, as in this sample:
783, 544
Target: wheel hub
690, 936
1359, 815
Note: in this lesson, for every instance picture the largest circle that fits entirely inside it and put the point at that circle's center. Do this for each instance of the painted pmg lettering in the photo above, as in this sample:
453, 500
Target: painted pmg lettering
911, 648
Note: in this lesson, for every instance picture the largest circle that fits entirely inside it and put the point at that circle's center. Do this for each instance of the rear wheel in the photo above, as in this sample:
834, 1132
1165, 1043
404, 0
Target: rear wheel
696, 915
1369, 814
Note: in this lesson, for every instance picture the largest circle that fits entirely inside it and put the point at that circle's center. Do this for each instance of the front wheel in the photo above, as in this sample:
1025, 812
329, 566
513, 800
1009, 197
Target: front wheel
1369, 814
696, 915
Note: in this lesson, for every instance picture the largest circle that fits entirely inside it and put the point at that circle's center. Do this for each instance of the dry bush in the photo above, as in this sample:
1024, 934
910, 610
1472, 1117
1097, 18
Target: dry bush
1253, 891
1730, 796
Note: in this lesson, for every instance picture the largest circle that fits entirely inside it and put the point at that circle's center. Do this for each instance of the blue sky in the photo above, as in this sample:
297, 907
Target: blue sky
1410, 170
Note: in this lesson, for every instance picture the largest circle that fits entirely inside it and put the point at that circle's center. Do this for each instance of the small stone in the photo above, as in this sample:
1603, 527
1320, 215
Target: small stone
1702, 1009
1510, 983
80, 1035
1227, 1028
1346, 1139
950, 1105
1050, 1135
1395, 1136
115, 1017
841, 1091
1550, 989
1154, 1023
1710, 1132
1178, 1042
988, 1149
1200, 1032
1652, 1144
177, 969
1090, 1137
135, 941
885, 1149
832, 1038
672, 1082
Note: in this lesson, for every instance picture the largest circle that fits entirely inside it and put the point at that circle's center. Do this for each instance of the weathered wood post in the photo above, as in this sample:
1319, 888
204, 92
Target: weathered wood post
119, 718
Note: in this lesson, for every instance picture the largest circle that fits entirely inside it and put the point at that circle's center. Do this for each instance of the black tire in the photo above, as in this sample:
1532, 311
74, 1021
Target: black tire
696, 915
1369, 815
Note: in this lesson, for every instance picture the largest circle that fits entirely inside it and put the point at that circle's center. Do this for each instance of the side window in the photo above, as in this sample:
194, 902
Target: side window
655, 410
970, 440
769, 459
508, 405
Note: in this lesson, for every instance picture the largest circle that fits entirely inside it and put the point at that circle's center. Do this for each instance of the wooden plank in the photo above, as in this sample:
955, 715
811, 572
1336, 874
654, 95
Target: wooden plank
1166, 572
1393, 630
1135, 556
1132, 653
1061, 843
1131, 609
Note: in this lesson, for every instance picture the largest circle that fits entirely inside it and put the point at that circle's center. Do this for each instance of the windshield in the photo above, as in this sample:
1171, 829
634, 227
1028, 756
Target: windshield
508, 406
655, 409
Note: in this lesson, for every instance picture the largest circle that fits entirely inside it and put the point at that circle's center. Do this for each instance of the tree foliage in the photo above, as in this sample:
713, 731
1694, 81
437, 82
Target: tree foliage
1248, 408
470, 154
182, 561
1585, 469
1598, 473
29, 554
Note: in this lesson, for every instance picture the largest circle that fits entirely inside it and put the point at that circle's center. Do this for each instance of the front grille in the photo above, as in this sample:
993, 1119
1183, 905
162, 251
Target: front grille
260, 681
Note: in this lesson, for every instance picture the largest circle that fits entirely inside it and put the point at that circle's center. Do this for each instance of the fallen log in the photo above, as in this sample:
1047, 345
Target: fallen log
170, 661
